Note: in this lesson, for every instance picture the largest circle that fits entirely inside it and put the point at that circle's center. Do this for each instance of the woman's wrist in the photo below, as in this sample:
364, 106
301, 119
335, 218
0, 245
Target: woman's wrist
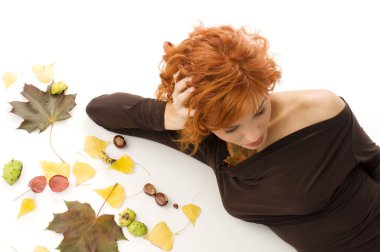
171, 120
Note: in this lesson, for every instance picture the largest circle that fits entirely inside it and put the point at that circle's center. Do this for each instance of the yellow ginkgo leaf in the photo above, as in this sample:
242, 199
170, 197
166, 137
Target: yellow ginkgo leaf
27, 206
192, 212
123, 164
94, 146
83, 172
44, 73
40, 249
161, 236
50, 169
114, 195
9, 78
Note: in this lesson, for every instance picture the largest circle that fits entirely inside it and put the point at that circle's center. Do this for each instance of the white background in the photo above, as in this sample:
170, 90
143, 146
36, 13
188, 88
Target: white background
107, 46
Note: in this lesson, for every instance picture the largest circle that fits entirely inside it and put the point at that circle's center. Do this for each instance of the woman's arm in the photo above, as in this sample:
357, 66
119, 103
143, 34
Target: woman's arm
136, 116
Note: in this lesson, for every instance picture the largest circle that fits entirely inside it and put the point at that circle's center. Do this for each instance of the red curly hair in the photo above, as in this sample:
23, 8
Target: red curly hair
229, 67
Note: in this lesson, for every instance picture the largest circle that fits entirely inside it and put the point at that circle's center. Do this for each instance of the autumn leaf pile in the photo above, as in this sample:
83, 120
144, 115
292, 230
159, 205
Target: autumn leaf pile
82, 229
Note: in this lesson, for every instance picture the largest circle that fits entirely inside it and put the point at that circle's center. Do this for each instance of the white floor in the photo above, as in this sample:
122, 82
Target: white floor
108, 46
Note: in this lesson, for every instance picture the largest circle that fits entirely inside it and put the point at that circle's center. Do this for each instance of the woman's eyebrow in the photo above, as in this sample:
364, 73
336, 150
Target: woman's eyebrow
260, 107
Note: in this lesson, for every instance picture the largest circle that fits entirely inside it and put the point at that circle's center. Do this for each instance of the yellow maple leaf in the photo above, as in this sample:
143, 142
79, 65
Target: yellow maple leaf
83, 172
161, 236
123, 164
44, 73
192, 212
39, 248
27, 206
50, 169
94, 146
9, 78
114, 195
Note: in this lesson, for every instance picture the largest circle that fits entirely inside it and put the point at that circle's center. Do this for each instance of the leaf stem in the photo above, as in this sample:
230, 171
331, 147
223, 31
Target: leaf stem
113, 188
22, 194
51, 145
179, 231
147, 172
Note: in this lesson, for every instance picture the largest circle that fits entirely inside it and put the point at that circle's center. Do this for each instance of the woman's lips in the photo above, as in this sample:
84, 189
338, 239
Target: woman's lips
254, 144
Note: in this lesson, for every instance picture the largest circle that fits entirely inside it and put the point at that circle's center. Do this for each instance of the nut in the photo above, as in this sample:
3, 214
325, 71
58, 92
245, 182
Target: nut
149, 189
161, 199
119, 141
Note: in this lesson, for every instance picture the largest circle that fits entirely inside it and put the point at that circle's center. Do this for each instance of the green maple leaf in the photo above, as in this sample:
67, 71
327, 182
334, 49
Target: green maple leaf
83, 231
42, 108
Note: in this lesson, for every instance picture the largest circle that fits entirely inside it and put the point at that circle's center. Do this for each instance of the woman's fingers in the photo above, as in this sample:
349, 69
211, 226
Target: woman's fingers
181, 98
180, 86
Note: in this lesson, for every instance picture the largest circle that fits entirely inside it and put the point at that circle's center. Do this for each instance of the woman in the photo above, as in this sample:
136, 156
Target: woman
296, 161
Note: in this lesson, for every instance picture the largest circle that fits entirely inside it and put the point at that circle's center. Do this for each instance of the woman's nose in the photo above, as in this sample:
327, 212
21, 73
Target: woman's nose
252, 134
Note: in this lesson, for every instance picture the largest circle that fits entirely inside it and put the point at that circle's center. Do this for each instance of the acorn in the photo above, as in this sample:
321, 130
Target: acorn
126, 217
137, 228
119, 141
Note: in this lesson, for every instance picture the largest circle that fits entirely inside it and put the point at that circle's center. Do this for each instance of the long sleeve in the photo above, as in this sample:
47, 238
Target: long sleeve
127, 111
134, 115
366, 151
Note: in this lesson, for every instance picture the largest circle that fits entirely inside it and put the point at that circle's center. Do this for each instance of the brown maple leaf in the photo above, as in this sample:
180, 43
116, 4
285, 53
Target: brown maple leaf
83, 231
42, 109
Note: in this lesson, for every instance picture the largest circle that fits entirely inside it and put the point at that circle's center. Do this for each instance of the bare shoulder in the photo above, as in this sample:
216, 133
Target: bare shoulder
300, 108
322, 104
295, 110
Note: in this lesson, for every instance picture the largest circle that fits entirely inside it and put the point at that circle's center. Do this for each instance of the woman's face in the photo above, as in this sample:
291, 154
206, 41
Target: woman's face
250, 131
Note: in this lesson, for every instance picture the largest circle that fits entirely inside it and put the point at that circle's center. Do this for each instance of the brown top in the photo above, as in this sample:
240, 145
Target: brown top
317, 188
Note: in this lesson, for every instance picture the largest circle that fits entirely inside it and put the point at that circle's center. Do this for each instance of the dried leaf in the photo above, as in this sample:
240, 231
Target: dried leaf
114, 199
44, 73
51, 169
39, 248
42, 108
83, 231
9, 78
192, 212
83, 172
27, 206
161, 236
58, 183
94, 146
124, 164
38, 184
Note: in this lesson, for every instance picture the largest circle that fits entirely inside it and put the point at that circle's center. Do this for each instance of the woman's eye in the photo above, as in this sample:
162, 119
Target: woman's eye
229, 131
260, 112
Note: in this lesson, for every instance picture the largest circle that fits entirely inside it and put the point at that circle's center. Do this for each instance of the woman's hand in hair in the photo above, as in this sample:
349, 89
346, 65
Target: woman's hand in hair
176, 113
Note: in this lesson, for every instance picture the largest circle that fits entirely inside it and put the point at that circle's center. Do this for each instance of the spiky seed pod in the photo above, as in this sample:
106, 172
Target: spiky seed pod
58, 87
12, 171
126, 217
137, 228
